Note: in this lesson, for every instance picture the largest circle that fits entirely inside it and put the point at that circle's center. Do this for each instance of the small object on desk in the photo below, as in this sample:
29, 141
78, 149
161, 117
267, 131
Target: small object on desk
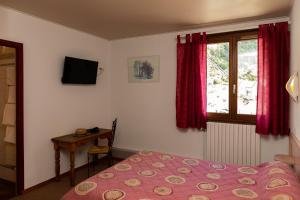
290, 160
81, 132
93, 130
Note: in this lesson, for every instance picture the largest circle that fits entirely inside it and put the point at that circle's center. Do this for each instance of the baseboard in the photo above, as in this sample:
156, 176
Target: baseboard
104, 159
52, 179
119, 154
122, 153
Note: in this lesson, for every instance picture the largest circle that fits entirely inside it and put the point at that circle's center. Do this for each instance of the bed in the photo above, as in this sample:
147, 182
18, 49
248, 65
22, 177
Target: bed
153, 176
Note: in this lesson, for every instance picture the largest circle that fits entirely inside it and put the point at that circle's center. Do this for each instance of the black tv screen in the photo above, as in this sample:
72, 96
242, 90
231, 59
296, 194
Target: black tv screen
79, 71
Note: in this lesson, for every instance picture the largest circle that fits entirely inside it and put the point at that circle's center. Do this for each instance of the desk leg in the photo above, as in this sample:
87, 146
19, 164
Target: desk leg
95, 157
72, 170
110, 151
57, 161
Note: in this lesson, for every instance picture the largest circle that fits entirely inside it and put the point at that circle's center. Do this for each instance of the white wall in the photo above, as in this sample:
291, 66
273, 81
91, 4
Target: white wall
51, 108
270, 146
146, 111
295, 64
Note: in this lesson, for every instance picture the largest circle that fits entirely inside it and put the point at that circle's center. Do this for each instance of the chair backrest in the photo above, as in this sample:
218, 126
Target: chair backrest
113, 130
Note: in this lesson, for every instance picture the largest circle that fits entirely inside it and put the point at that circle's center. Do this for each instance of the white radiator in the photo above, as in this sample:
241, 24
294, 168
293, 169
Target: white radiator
232, 143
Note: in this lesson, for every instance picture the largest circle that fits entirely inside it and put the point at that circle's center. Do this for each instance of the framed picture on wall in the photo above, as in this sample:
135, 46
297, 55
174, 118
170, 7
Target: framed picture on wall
143, 69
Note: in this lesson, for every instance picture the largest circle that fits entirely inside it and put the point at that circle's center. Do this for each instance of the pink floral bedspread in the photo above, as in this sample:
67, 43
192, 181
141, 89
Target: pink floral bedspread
154, 176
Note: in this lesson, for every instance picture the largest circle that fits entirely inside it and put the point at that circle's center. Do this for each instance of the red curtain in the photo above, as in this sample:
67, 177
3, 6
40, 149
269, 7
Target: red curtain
272, 115
191, 82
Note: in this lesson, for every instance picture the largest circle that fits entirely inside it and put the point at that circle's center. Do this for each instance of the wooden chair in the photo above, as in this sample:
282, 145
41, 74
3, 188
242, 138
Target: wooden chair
94, 151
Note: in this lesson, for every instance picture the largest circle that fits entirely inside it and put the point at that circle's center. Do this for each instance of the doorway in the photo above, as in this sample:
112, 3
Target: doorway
11, 119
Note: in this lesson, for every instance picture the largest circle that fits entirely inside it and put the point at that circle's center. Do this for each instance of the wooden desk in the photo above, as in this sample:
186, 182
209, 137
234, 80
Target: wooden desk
71, 142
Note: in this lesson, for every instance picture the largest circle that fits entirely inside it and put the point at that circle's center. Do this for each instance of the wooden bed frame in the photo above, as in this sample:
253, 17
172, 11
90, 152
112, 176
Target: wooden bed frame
294, 151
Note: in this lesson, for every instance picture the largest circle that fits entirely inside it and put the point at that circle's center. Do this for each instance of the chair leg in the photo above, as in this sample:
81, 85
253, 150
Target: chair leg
110, 158
88, 165
94, 161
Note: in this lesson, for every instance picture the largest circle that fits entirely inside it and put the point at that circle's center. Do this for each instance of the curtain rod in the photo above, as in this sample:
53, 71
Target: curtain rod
183, 36
227, 28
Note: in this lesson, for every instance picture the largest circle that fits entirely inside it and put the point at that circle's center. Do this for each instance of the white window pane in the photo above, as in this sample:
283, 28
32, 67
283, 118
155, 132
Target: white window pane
218, 78
247, 77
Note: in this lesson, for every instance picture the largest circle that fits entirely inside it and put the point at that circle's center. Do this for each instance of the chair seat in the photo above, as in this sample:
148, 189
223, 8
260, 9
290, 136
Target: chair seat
98, 150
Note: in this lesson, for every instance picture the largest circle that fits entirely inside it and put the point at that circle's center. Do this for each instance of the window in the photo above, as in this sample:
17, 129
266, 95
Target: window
232, 77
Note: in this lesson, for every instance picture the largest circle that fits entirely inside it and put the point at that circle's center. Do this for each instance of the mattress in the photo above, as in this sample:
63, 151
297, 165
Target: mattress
154, 176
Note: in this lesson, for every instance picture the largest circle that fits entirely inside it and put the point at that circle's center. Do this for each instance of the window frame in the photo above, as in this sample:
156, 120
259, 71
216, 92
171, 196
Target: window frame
232, 38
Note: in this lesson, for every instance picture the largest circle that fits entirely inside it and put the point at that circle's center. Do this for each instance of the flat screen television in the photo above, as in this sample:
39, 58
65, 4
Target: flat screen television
79, 71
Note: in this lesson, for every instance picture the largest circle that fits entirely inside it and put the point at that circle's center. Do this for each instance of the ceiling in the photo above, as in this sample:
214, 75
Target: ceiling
115, 19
